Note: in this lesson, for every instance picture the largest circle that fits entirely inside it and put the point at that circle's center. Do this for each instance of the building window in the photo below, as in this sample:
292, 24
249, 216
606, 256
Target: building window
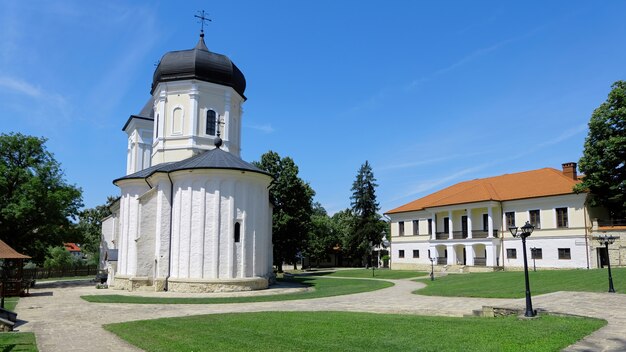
510, 219
535, 218
211, 122
565, 253
156, 127
416, 227
511, 253
430, 226
429, 254
446, 224
401, 228
416, 253
561, 217
401, 253
485, 222
237, 232
536, 253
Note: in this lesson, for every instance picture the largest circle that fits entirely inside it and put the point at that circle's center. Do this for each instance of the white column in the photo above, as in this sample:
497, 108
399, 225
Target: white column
469, 255
450, 224
469, 224
491, 254
227, 137
451, 255
194, 122
489, 222
433, 221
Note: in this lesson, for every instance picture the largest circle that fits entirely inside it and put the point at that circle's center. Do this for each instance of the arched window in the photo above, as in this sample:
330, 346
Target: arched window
156, 127
211, 120
177, 123
237, 232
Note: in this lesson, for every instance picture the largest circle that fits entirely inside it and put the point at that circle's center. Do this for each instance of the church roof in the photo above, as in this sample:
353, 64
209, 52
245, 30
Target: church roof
199, 63
210, 159
529, 184
146, 113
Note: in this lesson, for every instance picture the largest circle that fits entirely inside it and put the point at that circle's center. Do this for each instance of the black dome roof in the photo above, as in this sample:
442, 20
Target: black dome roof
199, 63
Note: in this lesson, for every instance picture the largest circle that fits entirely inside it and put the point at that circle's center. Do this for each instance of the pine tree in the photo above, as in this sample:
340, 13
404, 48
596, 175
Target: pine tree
367, 227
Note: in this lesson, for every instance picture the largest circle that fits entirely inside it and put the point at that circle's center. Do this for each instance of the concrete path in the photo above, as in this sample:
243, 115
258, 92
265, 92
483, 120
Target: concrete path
64, 322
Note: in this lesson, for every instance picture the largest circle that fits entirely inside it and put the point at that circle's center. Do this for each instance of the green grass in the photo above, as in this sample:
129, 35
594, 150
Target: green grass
68, 278
18, 342
322, 288
346, 331
511, 284
10, 303
378, 273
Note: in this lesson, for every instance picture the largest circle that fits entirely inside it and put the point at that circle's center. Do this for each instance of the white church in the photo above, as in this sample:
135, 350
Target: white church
192, 216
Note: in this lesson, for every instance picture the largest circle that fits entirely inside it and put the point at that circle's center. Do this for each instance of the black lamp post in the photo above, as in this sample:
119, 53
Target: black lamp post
432, 268
527, 229
606, 241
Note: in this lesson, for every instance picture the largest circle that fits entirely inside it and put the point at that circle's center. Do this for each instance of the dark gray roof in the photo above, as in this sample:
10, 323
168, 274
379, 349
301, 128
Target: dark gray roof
210, 159
146, 113
199, 63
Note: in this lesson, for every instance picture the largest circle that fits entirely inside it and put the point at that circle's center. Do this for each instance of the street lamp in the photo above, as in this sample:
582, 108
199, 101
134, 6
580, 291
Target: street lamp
527, 229
606, 241
432, 268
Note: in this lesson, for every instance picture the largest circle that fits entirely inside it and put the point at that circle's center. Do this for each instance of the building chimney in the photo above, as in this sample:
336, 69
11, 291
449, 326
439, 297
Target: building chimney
569, 170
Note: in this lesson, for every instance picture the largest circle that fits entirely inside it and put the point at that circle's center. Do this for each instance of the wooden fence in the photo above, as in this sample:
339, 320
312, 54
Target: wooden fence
69, 271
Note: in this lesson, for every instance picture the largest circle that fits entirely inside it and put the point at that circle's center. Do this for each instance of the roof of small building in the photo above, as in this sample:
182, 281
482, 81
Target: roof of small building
146, 113
72, 247
199, 63
210, 159
6, 252
529, 184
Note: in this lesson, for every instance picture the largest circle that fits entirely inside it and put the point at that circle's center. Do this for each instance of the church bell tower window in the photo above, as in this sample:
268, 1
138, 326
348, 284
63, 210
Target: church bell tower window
211, 122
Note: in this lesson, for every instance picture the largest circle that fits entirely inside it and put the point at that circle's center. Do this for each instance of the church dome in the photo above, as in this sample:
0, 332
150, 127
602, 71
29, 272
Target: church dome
201, 64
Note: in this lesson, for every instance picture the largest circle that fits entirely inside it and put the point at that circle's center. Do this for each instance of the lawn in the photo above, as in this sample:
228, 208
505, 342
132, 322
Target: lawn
10, 303
347, 331
510, 284
378, 273
18, 342
323, 287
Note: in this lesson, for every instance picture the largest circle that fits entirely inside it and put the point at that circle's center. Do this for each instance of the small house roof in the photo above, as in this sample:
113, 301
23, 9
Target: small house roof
72, 247
6, 252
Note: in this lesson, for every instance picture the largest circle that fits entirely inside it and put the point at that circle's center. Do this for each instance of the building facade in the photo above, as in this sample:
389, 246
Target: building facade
466, 225
192, 216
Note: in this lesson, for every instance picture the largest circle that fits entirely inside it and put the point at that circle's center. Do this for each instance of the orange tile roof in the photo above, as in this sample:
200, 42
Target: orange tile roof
529, 184
72, 247
6, 252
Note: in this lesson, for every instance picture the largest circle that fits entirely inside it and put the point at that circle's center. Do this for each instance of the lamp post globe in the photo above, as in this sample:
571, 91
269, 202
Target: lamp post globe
526, 231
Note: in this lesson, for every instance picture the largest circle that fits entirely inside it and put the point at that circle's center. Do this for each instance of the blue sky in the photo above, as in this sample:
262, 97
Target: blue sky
431, 93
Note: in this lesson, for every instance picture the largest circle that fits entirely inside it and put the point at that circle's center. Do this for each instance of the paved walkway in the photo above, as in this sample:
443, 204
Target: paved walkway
64, 322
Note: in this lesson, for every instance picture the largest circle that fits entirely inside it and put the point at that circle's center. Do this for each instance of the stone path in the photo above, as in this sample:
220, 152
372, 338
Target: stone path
64, 322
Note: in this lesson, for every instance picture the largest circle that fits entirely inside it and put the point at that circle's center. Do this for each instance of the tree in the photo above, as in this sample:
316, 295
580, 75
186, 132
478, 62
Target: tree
323, 236
292, 200
89, 226
58, 257
367, 226
36, 203
604, 156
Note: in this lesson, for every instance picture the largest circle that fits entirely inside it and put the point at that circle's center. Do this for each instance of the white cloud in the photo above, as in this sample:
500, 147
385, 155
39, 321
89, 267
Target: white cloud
266, 128
20, 86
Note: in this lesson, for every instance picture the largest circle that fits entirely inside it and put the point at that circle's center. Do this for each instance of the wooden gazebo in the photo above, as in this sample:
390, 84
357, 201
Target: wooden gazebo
12, 271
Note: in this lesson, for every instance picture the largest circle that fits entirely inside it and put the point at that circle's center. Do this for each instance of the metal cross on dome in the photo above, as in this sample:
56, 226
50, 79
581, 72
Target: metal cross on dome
202, 19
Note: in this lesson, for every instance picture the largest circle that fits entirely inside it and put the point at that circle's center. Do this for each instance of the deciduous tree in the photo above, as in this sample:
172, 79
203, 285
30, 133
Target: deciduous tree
292, 199
604, 156
36, 203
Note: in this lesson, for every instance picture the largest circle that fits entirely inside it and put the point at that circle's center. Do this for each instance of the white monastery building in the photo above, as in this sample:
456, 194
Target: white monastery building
192, 216
465, 226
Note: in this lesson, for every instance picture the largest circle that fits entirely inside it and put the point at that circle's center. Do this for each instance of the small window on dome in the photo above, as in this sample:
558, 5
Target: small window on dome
211, 121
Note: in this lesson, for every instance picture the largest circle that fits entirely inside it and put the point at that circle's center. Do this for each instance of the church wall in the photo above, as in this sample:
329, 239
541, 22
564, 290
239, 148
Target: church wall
207, 203
129, 215
145, 241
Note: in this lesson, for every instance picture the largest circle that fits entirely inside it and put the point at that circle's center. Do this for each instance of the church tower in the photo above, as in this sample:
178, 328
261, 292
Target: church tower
197, 98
